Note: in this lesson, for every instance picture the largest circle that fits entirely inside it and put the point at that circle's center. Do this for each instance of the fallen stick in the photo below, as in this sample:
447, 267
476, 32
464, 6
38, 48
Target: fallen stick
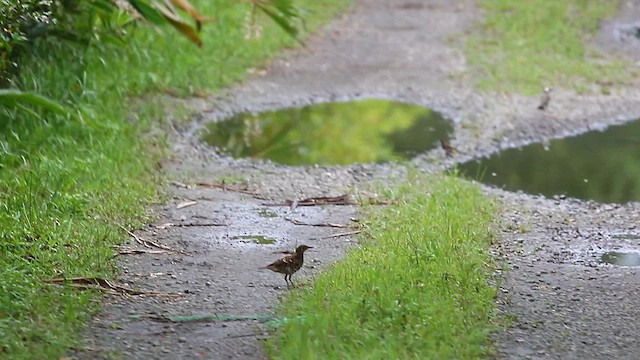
149, 244
185, 204
168, 225
129, 251
340, 234
298, 222
244, 335
225, 187
202, 318
94, 283
198, 224
316, 201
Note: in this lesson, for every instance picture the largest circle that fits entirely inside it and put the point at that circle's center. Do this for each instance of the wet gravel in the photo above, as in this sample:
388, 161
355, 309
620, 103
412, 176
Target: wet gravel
561, 302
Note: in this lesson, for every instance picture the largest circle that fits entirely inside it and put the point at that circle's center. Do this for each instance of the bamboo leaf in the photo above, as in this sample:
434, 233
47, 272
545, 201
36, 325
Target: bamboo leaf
189, 9
152, 14
279, 19
285, 7
17, 98
104, 5
175, 21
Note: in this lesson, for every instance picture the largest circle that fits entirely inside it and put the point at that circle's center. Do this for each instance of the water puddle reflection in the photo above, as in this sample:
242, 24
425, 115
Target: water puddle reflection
620, 258
601, 166
363, 131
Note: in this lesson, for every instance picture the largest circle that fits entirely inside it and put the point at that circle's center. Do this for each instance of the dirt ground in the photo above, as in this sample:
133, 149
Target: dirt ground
562, 303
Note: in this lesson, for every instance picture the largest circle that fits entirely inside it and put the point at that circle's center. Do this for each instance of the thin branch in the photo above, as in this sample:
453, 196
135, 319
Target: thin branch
226, 187
316, 201
94, 283
298, 222
168, 225
149, 244
129, 251
341, 234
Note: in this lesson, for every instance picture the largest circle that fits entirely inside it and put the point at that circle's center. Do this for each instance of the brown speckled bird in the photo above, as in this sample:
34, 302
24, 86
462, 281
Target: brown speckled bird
545, 98
448, 149
288, 265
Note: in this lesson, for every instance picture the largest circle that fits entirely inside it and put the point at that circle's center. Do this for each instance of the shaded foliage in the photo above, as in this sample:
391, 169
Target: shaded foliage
82, 22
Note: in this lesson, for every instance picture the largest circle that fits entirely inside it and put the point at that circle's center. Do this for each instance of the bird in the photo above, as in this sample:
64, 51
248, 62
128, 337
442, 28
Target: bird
448, 149
288, 265
545, 98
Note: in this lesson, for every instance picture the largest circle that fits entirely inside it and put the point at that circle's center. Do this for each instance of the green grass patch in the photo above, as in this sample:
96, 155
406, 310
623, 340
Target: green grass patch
67, 184
418, 290
523, 46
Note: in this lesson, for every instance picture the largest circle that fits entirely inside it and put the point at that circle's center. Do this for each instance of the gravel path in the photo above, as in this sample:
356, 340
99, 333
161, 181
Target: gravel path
562, 303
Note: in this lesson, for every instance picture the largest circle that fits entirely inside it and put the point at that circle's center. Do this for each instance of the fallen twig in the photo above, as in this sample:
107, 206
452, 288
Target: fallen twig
378, 202
315, 201
129, 251
168, 225
244, 335
341, 234
179, 184
298, 222
199, 224
94, 283
149, 244
202, 318
325, 200
185, 204
226, 187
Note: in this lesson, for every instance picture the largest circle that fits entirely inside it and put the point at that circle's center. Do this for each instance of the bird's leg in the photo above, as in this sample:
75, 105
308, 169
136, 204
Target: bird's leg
286, 279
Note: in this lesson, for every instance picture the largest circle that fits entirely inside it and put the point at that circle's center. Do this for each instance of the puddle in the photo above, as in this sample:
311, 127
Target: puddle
626, 236
363, 131
255, 239
601, 166
620, 258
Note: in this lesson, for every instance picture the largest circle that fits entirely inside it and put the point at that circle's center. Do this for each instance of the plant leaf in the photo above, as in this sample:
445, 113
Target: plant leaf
19, 98
286, 8
104, 5
149, 12
189, 9
281, 20
175, 21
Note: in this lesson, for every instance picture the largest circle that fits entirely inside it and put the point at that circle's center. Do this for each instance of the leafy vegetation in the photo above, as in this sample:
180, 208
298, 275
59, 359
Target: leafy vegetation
524, 46
85, 22
418, 290
68, 182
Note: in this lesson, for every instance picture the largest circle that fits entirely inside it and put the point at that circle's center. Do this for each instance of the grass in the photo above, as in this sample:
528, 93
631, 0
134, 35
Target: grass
66, 185
523, 46
418, 290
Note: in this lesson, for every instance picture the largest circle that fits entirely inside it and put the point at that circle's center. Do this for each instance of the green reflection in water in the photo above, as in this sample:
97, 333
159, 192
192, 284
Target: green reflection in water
601, 166
333, 133
620, 258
